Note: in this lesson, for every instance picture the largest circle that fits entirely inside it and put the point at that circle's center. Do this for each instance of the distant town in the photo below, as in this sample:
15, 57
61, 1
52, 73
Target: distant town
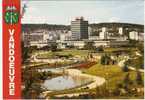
80, 32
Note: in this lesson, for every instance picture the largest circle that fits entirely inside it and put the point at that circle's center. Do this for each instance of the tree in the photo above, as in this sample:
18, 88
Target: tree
137, 63
125, 68
139, 78
141, 62
141, 47
99, 49
127, 81
89, 46
25, 52
133, 43
105, 59
31, 79
53, 47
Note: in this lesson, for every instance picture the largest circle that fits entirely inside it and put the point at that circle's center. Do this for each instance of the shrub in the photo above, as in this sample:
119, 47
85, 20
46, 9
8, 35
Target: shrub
139, 78
125, 68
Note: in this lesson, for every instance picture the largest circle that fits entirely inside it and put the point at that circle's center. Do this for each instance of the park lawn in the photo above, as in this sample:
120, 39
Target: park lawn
73, 52
112, 73
44, 54
37, 64
33, 64
115, 75
111, 49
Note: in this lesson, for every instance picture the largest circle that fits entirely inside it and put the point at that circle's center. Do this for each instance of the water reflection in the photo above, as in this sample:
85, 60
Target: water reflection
65, 82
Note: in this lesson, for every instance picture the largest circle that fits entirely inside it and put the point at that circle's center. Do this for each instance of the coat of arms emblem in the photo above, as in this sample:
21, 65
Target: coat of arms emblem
11, 15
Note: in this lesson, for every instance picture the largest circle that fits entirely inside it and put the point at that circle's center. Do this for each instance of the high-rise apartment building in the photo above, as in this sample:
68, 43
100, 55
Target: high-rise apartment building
79, 29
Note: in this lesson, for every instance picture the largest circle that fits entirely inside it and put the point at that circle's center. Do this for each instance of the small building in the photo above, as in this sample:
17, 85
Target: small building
93, 37
101, 43
103, 34
117, 43
120, 30
111, 43
133, 35
38, 44
141, 37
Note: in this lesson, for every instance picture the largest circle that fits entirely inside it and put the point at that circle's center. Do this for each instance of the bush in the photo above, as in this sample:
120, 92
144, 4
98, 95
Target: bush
139, 78
99, 49
127, 81
105, 59
125, 68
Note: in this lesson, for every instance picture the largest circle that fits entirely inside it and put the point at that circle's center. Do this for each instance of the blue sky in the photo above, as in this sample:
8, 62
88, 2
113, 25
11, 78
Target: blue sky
95, 11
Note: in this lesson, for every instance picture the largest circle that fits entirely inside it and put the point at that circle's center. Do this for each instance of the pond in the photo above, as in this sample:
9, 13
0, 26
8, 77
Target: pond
65, 82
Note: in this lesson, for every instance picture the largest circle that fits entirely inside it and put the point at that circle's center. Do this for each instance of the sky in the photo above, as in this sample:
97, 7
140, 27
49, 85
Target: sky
95, 11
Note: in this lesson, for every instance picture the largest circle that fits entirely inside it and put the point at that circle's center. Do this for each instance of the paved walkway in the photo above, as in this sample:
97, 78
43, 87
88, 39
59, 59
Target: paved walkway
97, 81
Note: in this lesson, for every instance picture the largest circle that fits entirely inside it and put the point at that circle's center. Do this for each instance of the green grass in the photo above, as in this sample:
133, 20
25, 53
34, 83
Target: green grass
73, 52
37, 64
111, 49
112, 73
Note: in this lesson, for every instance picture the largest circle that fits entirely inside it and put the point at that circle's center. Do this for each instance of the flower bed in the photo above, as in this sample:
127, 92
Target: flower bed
85, 65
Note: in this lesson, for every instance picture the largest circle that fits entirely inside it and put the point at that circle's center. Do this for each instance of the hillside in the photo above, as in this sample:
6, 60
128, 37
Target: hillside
97, 26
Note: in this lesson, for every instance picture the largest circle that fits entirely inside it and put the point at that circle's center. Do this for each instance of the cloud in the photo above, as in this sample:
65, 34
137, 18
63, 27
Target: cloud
63, 12
114, 19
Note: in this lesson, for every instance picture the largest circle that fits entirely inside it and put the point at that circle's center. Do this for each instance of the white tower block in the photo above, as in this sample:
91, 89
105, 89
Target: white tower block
103, 34
120, 30
104, 29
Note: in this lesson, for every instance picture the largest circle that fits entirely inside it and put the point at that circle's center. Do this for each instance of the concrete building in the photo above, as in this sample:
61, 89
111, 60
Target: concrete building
90, 31
112, 43
77, 44
39, 35
25, 39
94, 38
133, 35
53, 35
118, 38
118, 43
103, 34
120, 30
39, 44
65, 36
101, 43
141, 37
62, 37
61, 45
79, 29
97, 43
35, 38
